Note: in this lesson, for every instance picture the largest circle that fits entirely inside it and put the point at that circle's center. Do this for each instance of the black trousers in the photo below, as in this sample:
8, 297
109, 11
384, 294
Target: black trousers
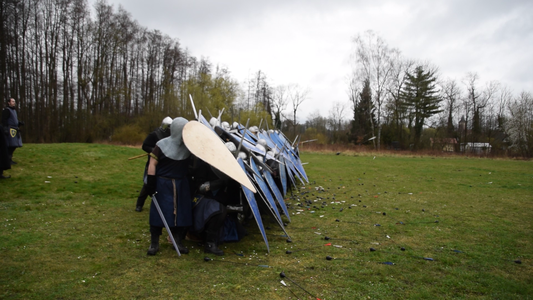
10, 151
142, 197
215, 227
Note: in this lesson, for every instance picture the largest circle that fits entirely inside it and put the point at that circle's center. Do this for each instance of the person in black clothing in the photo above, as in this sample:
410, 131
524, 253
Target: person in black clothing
5, 162
208, 212
11, 131
168, 178
148, 146
214, 193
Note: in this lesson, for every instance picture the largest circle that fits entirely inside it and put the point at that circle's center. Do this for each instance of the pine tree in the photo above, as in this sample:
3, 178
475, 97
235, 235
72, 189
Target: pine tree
420, 98
362, 124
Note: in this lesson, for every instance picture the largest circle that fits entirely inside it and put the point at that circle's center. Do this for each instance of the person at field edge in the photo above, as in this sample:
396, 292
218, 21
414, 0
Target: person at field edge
148, 146
5, 162
167, 175
11, 125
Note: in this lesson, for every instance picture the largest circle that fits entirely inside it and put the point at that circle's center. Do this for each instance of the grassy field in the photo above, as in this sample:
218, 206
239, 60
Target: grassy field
69, 231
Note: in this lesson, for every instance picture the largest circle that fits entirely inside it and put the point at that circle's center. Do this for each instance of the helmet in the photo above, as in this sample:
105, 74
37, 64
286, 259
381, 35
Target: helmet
166, 123
254, 129
235, 125
214, 122
261, 148
243, 155
262, 142
173, 146
226, 126
231, 147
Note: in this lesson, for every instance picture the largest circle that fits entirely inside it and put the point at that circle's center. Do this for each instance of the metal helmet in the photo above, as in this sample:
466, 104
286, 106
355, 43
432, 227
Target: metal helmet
166, 123
214, 122
261, 147
243, 155
235, 125
226, 126
231, 147
254, 129
173, 146
262, 142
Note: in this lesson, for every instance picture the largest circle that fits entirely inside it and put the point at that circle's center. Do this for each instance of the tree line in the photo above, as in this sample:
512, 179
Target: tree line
84, 78
78, 78
402, 103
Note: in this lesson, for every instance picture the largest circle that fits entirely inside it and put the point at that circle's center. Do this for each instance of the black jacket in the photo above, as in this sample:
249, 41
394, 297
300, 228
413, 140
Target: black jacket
153, 138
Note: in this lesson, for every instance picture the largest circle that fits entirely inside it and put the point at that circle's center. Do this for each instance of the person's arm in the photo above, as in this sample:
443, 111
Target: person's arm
151, 179
150, 142
5, 117
152, 165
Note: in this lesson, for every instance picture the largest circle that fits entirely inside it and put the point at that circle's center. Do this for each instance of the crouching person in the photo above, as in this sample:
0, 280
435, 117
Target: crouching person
209, 211
167, 179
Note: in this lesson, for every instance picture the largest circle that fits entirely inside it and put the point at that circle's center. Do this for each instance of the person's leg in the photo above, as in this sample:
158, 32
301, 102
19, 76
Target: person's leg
155, 232
212, 229
2, 175
141, 199
179, 234
10, 151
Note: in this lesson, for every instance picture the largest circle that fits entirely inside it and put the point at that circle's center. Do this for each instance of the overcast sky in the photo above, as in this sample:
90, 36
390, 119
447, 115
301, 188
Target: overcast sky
309, 42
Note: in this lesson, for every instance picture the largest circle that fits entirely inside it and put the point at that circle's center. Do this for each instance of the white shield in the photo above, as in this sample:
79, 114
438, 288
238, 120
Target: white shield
206, 145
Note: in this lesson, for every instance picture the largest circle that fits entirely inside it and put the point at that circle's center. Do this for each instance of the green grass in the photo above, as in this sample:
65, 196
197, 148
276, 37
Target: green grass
78, 236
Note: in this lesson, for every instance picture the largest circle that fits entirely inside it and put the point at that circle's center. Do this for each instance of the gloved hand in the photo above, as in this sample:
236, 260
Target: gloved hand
151, 184
205, 187
212, 185
21, 123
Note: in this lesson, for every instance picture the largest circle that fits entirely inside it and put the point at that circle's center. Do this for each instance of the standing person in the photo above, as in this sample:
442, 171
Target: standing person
11, 124
149, 143
167, 175
5, 162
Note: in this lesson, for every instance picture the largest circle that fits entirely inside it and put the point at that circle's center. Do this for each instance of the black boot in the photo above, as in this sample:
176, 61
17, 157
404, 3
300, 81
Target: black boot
212, 229
154, 245
212, 248
211, 239
179, 234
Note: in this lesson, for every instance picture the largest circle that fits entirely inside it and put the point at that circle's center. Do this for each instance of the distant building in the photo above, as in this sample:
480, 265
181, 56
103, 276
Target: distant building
446, 144
478, 148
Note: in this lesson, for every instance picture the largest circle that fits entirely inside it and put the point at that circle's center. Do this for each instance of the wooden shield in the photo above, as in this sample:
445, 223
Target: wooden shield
206, 145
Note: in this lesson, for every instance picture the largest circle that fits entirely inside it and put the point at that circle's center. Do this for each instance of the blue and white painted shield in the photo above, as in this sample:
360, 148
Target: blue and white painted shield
253, 206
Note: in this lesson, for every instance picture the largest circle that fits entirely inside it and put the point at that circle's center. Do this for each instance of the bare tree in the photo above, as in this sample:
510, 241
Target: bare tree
297, 96
336, 119
518, 125
451, 93
373, 62
279, 103
504, 99
397, 114
470, 101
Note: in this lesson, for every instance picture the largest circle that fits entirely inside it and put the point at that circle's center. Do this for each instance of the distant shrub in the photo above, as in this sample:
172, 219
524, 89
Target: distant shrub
128, 135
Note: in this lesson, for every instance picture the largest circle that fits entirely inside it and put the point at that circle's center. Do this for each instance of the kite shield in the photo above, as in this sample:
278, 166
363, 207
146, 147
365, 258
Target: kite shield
206, 145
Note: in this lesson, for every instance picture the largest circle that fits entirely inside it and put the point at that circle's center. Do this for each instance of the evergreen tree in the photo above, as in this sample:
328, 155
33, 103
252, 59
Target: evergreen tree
420, 98
362, 124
